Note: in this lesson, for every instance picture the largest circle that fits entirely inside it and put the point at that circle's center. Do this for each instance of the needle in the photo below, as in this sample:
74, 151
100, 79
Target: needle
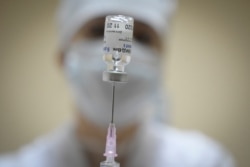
113, 101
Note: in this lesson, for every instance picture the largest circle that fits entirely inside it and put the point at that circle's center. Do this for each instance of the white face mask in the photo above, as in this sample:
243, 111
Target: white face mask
84, 67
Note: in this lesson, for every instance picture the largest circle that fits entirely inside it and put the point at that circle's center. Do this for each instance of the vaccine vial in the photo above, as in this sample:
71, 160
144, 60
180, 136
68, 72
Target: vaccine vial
118, 36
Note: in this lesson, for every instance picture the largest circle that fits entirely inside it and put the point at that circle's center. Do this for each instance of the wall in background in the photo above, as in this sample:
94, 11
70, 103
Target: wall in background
207, 72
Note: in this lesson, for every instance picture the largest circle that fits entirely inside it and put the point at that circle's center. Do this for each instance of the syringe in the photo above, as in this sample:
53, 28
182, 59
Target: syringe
110, 150
118, 36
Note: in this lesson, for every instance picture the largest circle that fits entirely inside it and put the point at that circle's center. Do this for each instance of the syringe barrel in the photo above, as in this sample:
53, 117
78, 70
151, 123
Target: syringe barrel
109, 164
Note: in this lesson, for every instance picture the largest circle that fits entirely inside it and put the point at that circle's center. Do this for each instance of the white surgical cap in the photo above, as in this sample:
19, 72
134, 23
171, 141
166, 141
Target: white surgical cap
73, 14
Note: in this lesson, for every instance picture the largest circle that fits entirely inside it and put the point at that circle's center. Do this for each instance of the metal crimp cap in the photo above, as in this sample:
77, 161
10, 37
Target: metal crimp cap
112, 76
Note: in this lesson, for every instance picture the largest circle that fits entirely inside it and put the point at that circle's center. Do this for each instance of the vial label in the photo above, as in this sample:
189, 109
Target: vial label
118, 37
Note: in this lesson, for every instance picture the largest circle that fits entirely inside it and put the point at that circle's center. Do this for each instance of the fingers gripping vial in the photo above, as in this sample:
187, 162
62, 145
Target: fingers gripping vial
118, 35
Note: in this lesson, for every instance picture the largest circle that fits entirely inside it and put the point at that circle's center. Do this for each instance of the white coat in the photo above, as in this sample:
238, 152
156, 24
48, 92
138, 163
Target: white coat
159, 146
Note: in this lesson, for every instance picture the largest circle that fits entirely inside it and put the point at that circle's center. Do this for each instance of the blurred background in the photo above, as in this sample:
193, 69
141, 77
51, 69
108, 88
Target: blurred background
207, 72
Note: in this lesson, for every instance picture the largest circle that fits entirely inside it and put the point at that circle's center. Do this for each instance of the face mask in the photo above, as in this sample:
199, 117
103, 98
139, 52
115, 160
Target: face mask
84, 67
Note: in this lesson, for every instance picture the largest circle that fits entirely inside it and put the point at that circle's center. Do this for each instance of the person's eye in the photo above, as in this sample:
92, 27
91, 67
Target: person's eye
95, 31
143, 38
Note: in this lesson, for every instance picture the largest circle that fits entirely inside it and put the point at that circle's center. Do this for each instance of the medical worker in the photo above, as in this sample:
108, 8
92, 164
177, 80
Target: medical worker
144, 140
